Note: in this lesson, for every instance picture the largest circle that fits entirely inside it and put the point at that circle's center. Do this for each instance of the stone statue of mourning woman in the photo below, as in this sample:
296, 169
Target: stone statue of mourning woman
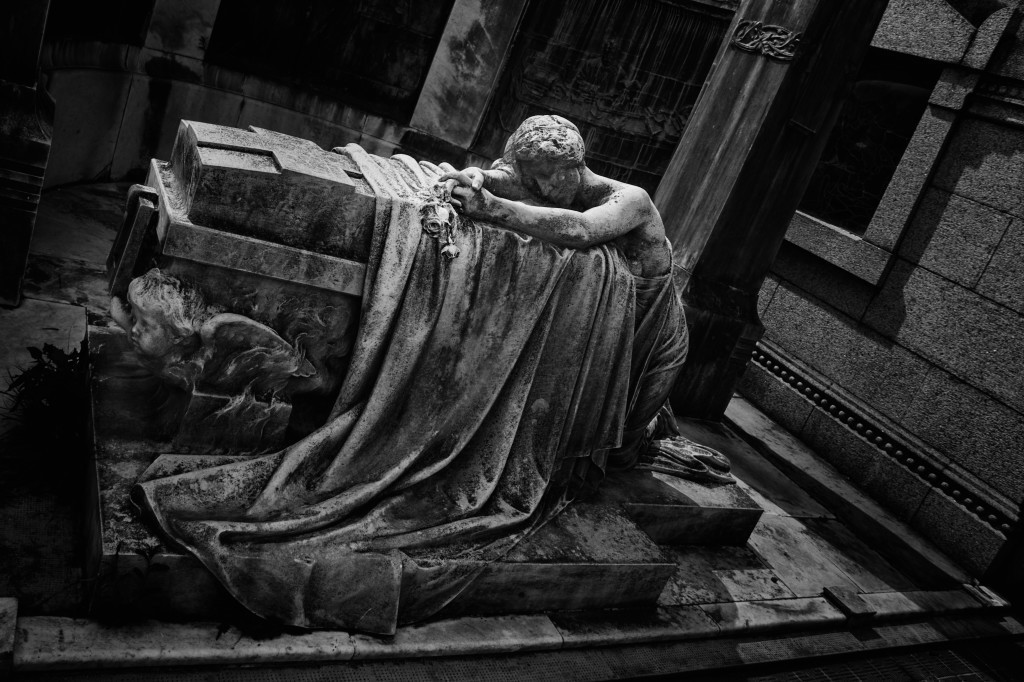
511, 353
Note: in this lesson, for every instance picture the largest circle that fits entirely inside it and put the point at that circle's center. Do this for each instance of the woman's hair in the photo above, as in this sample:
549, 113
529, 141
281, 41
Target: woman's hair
543, 138
182, 307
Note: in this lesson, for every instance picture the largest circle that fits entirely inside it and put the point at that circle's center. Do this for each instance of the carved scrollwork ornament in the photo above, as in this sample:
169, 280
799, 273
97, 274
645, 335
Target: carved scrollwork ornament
771, 41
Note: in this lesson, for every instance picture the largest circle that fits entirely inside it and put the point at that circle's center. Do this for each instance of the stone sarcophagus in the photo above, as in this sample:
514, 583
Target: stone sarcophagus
277, 231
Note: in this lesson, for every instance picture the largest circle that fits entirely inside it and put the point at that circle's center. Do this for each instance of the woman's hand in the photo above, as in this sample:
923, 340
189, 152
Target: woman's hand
471, 177
475, 203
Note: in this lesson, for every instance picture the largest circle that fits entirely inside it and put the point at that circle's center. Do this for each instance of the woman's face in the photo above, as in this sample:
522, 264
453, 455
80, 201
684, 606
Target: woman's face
555, 182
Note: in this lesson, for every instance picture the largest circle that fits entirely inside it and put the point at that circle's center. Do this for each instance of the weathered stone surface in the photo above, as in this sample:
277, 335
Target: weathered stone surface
910, 552
833, 285
326, 133
296, 194
774, 615
1003, 278
978, 433
182, 28
152, 113
675, 511
843, 249
466, 68
48, 644
462, 636
857, 560
623, 626
590, 556
708, 575
908, 182
850, 603
866, 466
953, 237
985, 162
85, 124
964, 536
773, 491
879, 372
8, 628
927, 28
787, 545
966, 334
894, 604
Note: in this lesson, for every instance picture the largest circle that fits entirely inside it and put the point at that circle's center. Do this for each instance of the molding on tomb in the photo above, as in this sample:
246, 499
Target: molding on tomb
888, 439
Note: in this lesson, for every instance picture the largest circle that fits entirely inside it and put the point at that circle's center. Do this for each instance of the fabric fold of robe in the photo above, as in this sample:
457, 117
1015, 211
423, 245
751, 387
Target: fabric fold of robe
479, 390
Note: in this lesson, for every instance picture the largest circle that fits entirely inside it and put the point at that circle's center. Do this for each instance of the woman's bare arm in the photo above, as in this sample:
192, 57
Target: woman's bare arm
622, 211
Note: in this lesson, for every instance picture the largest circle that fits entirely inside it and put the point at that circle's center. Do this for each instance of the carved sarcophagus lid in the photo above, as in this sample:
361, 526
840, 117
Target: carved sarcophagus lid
267, 227
259, 202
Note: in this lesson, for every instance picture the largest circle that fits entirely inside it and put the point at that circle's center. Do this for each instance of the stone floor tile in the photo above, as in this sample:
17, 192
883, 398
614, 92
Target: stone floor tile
788, 547
866, 567
707, 575
79, 222
773, 615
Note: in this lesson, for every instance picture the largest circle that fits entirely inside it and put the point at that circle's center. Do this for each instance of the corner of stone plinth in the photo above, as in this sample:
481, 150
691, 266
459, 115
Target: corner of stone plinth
8, 625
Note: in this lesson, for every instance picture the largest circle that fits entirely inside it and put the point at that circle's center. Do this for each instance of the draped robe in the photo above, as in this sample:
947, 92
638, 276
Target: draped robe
481, 394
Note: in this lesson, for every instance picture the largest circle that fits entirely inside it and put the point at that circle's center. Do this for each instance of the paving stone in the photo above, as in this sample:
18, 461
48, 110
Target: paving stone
707, 575
966, 334
630, 626
775, 615
66, 281
866, 364
861, 563
462, 636
959, 532
953, 237
985, 162
786, 545
980, 434
1003, 278
36, 323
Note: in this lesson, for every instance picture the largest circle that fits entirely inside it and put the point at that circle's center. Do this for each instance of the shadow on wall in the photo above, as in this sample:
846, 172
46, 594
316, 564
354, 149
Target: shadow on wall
124, 78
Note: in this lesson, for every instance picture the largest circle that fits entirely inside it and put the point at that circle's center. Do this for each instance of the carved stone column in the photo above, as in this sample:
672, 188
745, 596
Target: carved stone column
26, 128
741, 168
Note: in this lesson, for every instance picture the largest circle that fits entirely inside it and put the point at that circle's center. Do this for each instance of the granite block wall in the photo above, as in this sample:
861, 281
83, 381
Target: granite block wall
913, 385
